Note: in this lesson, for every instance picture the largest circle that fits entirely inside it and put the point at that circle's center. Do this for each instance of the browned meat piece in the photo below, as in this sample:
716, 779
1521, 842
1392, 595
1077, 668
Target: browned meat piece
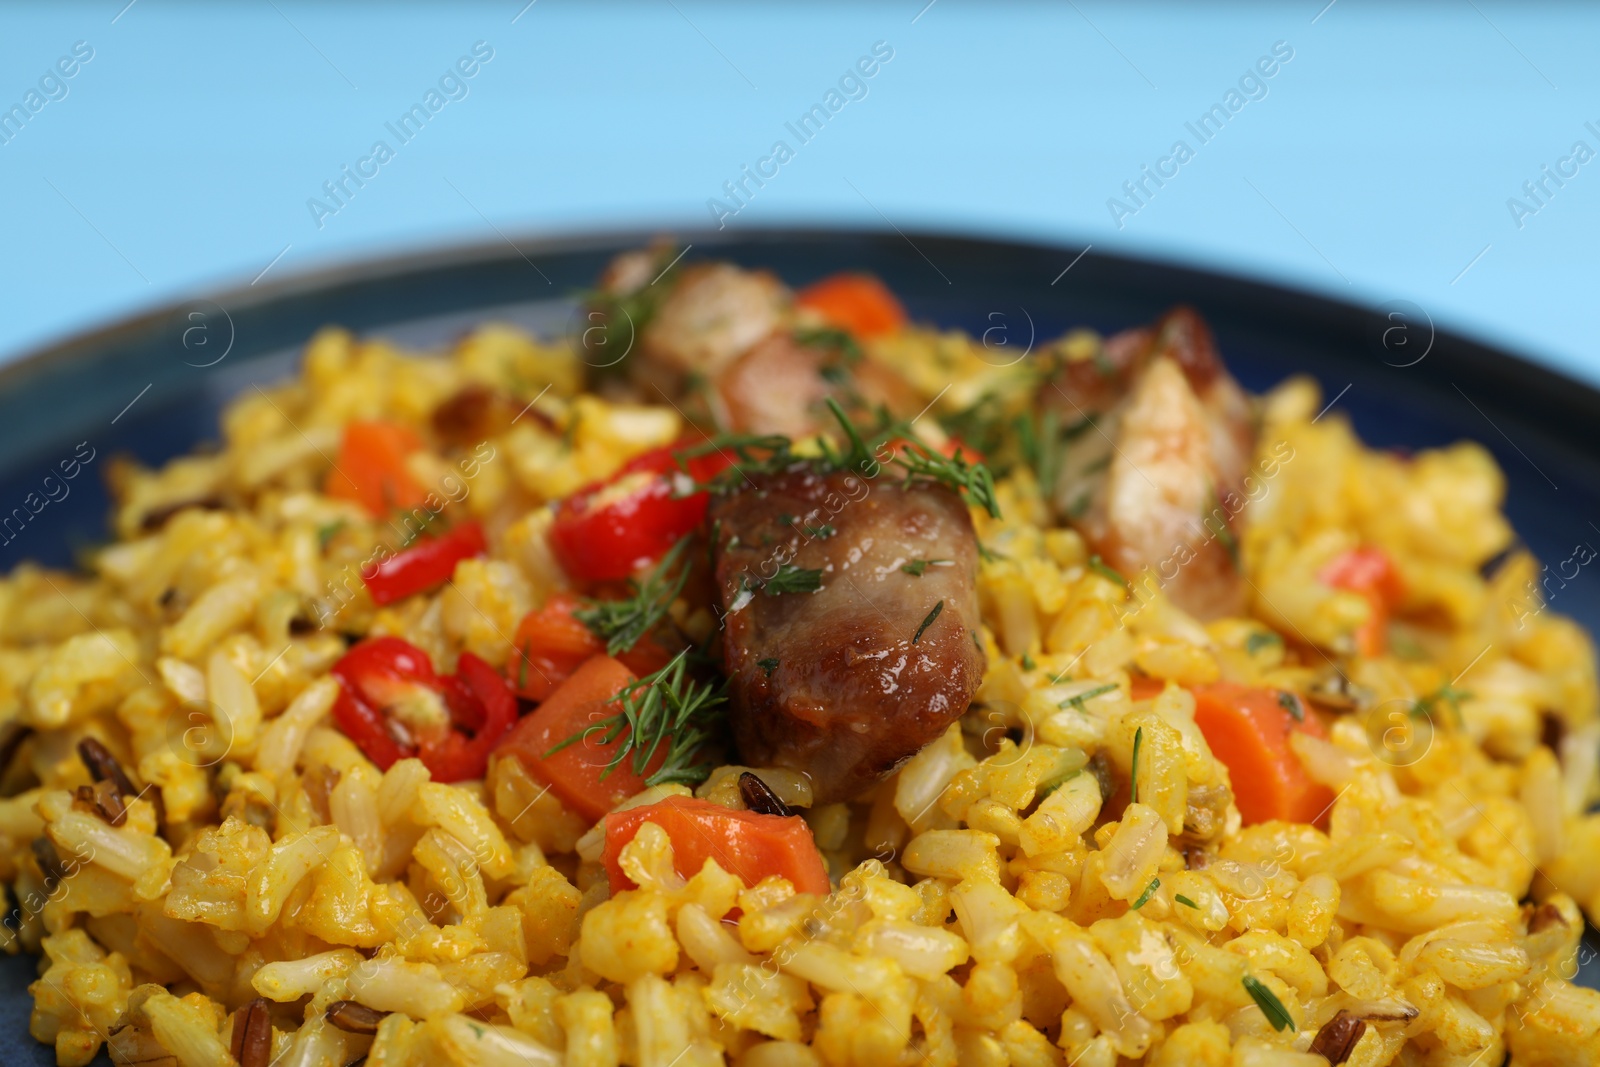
720, 342
846, 682
1162, 440
780, 386
713, 313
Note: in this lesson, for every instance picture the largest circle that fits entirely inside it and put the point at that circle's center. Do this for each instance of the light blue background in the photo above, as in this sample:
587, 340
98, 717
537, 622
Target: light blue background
1378, 167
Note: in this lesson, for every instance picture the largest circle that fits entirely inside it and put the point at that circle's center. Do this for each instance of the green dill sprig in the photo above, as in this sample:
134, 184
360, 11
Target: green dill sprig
1186, 902
1070, 764
1039, 439
1269, 1003
1149, 891
1105, 570
829, 337
1133, 767
1446, 694
638, 307
973, 481
1257, 641
792, 579
621, 623
917, 567
1291, 703
927, 622
1078, 701
667, 708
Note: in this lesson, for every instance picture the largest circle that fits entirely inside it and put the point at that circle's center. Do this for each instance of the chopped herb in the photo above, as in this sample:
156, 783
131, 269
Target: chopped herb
621, 623
1445, 694
1079, 507
975, 642
630, 312
1098, 465
328, 533
1149, 891
1088, 694
934, 614
1039, 440
825, 531
1081, 427
768, 665
920, 460
792, 579
917, 566
1068, 767
785, 519
1257, 641
1291, 703
990, 555
1027, 662
827, 337
1186, 902
1105, 570
1133, 766
1269, 1003
668, 709
1217, 523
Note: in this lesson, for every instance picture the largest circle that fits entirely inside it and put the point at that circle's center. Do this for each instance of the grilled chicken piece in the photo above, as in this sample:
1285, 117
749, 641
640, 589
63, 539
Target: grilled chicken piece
715, 312
1162, 437
721, 342
847, 682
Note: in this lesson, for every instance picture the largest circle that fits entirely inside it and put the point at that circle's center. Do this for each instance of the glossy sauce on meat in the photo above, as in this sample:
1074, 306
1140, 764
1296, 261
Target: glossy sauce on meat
847, 682
1161, 439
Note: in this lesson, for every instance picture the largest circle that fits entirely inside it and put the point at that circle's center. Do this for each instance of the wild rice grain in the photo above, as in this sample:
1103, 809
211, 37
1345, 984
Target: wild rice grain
355, 1018
1337, 1038
252, 1034
759, 797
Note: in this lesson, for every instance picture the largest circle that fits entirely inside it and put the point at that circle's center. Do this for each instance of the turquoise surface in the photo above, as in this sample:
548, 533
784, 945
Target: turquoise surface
1394, 152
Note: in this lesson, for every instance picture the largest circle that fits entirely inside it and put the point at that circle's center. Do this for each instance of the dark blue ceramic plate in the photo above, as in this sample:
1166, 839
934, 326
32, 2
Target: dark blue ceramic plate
153, 386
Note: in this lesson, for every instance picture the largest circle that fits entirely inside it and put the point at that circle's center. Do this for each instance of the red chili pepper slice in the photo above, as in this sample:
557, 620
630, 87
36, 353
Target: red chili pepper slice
424, 565
609, 530
393, 705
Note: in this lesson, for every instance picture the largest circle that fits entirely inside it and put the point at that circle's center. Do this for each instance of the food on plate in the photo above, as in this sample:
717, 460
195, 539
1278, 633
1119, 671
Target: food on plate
761, 677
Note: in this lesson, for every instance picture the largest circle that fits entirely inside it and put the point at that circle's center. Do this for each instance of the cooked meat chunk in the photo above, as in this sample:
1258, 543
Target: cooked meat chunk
848, 680
1162, 438
722, 343
780, 387
713, 313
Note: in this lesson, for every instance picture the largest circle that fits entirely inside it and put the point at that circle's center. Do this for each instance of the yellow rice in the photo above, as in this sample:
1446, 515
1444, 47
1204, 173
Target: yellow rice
968, 926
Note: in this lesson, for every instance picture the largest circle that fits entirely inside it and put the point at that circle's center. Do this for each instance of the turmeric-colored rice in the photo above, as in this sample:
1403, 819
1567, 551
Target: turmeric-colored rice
1440, 899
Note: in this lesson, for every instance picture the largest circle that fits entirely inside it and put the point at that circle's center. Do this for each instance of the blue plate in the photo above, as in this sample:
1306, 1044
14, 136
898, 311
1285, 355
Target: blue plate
152, 387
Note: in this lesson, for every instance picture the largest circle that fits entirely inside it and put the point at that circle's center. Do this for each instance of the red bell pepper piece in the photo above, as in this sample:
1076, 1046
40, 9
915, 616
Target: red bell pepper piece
609, 530
748, 844
425, 564
1370, 572
551, 643
393, 705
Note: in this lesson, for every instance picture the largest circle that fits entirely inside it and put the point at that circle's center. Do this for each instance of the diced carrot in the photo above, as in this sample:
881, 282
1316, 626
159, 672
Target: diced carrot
1248, 729
549, 645
1142, 688
1370, 572
859, 303
371, 469
577, 707
748, 844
